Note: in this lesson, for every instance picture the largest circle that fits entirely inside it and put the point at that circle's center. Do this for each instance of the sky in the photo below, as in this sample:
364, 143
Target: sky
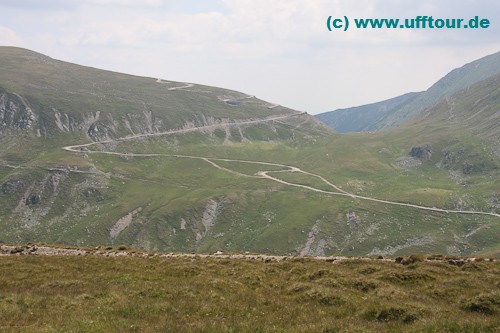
278, 50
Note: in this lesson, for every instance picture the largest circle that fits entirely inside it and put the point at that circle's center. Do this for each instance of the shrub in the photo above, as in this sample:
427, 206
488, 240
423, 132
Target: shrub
485, 304
408, 277
435, 257
368, 270
318, 274
365, 286
414, 258
391, 314
299, 287
323, 297
471, 266
17, 249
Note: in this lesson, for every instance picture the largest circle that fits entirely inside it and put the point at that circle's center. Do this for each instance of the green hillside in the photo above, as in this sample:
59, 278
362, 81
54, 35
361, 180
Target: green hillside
396, 111
90, 157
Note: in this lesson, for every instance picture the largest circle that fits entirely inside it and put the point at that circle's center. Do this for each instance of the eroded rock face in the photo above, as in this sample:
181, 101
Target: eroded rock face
15, 112
421, 152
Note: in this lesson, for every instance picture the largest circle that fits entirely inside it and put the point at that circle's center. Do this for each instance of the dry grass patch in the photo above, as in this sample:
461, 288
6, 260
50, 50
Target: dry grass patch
153, 294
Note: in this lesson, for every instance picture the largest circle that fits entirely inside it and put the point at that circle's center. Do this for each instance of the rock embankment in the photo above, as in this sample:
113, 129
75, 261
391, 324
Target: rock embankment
124, 251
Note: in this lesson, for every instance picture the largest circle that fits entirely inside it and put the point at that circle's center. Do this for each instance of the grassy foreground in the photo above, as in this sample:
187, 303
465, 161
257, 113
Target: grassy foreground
133, 294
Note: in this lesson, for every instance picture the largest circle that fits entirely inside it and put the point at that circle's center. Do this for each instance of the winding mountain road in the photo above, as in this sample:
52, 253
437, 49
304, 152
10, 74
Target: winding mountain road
78, 148
262, 174
186, 85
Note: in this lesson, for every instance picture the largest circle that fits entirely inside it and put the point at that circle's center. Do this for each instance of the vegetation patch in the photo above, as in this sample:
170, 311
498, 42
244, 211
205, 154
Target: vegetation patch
408, 277
487, 304
391, 314
151, 293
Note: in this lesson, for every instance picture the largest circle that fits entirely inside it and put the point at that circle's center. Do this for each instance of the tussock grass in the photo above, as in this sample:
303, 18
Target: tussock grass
130, 294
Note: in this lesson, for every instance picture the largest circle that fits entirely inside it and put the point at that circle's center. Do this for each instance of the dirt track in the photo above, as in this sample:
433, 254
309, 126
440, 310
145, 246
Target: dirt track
262, 173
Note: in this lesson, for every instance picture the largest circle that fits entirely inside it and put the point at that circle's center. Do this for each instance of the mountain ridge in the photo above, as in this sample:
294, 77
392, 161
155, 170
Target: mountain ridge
456, 80
362, 118
101, 104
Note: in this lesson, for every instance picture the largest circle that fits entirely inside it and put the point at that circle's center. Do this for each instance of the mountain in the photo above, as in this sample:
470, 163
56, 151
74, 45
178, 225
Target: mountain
474, 110
362, 118
51, 97
394, 112
49, 194
90, 157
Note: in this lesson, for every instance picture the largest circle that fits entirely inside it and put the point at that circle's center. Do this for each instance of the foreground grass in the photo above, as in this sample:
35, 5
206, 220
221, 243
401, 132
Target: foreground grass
126, 294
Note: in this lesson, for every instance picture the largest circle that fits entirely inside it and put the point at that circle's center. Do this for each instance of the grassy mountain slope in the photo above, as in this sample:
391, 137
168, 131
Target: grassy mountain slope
205, 189
475, 110
98, 104
385, 114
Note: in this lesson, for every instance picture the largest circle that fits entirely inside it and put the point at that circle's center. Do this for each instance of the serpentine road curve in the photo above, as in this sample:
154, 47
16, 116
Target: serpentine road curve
263, 174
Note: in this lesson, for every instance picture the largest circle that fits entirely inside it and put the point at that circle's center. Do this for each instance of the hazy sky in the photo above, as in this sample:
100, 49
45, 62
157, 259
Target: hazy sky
278, 50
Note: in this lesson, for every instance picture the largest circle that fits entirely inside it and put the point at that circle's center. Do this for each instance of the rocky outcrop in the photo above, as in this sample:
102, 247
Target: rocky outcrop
95, 193
315, 245
408, 162
423, 152
451, 156
123, 223
33, 199
201, 221
13, 186
208, 218
415, 157
390, 250
15, 113
471, 167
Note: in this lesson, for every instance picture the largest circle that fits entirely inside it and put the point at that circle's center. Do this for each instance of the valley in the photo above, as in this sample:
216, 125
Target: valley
239, 166
92, 158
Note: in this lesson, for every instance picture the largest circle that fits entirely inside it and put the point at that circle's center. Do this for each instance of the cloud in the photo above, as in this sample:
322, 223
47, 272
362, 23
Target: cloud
252, 28
48, 5
37, 5
125, 3
9, 38
277, 49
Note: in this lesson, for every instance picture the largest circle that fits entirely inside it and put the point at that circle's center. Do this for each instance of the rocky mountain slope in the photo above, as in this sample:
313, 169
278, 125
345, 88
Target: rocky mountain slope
394, 112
